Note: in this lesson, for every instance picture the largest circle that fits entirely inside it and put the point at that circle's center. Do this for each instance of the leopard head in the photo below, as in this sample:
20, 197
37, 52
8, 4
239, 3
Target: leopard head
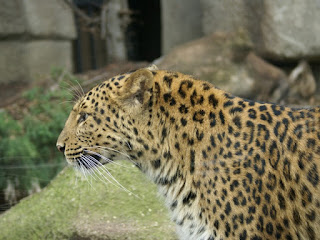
104, 125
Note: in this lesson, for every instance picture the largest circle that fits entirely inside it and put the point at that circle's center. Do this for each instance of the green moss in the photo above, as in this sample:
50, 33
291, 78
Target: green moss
67, 209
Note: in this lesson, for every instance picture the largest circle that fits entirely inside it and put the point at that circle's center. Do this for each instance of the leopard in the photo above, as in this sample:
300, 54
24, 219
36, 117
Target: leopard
227, 167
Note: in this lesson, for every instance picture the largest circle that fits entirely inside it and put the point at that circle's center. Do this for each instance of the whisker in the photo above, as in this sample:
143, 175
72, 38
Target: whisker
80, 87
94, 166
105, 158
112, 149
101, 173
129, 146
110, 175
85, 172
75, 90
68, 101
72, 92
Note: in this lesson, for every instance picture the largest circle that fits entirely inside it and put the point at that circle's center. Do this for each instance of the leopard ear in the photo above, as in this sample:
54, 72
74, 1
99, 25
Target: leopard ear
137, 89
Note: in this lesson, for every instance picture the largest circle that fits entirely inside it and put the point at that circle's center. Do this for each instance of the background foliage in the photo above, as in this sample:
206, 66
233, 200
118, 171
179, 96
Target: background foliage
27, 143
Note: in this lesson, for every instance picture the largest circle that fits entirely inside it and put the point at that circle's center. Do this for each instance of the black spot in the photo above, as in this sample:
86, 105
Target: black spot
183, 109
204, 154
213, 101
235, 110
221, 116
266, 117
263, 108
198, 116
156, 164
206, 86
287, 169
269, 228
199, 135
251, 126
292, 194
237, 121
274, 155
227, 209
177, 146
164, 134
263, 128
98, 120
285, 123
195, 99
277, 110
192, 161
273, 212
271, 182
228, 229
281, 200
252, 113
174, 205
216, 224
289, 237
168, 98
298, 131
311, 233
183, 121
212, 141
184, 84
259, 164
311, 143
188, 199
228, 103
243, 235
313, 175
168, 80
212, 118
296, 217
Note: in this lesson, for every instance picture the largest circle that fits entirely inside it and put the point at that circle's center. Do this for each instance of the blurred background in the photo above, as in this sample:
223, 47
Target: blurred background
262, 50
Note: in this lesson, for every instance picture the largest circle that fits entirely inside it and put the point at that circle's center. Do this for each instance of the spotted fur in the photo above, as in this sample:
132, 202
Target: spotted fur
228, 168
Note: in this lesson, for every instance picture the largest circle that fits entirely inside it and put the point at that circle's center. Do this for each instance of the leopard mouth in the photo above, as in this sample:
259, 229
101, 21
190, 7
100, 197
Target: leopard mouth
89, 161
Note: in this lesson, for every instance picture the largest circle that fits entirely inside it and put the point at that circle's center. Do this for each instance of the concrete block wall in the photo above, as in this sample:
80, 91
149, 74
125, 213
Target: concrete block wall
35, 36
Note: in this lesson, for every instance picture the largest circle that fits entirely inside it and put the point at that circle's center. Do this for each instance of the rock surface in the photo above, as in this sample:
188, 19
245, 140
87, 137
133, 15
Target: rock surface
73, 208
181, 22
226, 60
279, 29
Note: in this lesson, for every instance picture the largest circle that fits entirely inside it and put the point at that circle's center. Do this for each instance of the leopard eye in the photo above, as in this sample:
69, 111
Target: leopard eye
83, 117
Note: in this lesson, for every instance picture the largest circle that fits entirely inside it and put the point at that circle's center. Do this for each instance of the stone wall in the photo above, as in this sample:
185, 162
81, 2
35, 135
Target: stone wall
35, 35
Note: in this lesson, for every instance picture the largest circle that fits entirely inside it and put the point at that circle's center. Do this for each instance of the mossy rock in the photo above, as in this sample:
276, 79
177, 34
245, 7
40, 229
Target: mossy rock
73, 208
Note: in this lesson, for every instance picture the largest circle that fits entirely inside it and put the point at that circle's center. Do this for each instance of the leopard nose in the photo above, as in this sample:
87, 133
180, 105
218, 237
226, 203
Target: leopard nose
61, 147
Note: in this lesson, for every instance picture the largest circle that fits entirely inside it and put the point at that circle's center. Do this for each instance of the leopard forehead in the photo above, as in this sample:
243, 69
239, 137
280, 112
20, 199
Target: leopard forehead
228, 167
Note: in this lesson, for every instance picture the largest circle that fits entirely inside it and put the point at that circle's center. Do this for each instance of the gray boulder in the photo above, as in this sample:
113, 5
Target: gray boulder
181, 22
279, 29
226, 60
